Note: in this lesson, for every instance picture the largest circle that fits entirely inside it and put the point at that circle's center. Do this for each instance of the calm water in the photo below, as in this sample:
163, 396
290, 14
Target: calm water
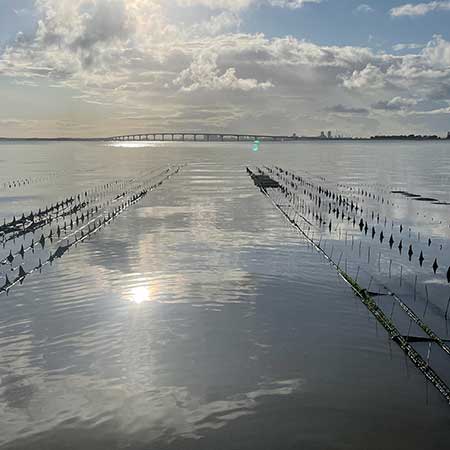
198, 317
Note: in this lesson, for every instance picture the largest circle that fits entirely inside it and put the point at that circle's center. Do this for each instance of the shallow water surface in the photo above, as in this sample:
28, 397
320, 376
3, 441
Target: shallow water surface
198, 317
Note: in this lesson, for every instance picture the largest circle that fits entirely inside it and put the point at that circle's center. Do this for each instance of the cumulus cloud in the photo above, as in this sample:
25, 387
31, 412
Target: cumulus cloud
150, 71
420, 9
437, 53
203, 73
370, 77
420, 73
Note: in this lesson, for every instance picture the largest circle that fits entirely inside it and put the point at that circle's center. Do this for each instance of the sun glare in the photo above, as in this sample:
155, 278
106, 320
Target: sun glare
140, 294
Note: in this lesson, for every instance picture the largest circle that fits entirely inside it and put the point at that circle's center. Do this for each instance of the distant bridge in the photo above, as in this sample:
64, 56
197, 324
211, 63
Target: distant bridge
203, 137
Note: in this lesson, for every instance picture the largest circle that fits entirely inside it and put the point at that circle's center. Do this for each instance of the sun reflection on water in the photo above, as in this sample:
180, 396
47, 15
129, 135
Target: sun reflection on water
140, 294
137, 144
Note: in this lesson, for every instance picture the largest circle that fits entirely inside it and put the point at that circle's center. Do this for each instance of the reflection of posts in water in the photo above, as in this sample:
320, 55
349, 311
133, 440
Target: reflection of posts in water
91, 227
446, 311
415, 287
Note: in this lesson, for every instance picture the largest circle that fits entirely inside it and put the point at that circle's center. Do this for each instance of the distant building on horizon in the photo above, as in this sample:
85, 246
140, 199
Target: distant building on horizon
413, 137
448, 135
322, 135
329, 135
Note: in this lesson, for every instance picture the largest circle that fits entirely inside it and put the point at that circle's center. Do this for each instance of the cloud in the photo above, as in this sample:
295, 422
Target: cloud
236, 5
437, 53
395, 104
419, 74
370, 77
411, 46
364, 9
21, 12
233, 5
292, 4
433, 112
223, 22
420, 9
342, 109
203, 73
139, 68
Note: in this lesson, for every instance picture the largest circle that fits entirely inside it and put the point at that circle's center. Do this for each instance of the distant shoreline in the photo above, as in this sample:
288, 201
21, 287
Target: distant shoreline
298, 139
57, 139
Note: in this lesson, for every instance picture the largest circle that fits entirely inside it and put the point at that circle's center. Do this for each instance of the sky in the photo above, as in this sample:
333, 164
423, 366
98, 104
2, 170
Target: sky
94, 68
